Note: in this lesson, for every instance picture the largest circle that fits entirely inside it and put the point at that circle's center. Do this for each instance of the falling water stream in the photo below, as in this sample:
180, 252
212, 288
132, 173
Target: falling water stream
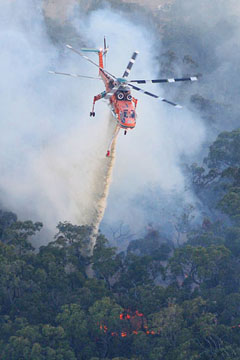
103, 177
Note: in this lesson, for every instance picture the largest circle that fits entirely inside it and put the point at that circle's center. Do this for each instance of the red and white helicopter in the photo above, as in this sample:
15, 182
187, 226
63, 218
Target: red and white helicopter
118, 90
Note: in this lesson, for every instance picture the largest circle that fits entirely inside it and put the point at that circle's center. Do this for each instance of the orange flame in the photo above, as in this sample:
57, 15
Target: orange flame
135, 323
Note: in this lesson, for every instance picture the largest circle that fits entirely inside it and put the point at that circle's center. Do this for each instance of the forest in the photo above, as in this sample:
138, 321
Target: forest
161, 295
157, 300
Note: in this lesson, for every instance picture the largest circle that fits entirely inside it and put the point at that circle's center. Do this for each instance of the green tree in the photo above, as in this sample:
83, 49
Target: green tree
196, 265
230, 204
76, 325
225, 151
40, 342
105, 321
105, 261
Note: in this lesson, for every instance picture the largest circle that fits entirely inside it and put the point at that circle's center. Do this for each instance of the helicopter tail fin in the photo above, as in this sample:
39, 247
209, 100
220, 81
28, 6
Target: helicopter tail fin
90, 50
103, 51
97, 51
100, 52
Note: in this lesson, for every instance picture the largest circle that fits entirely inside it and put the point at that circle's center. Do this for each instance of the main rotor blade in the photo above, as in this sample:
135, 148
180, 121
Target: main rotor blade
191, 78
90, 60
74, 75
130, 64
155, 96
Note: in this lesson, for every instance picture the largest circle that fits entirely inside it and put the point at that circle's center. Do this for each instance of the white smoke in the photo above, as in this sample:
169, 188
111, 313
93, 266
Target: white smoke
51, 149
208, 32
150, 155
49, 146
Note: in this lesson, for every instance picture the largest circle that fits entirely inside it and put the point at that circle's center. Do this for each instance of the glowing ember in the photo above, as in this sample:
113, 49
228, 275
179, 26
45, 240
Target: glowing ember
137, 323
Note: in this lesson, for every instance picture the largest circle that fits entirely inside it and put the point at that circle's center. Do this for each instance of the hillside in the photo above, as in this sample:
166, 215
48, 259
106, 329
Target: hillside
159, 280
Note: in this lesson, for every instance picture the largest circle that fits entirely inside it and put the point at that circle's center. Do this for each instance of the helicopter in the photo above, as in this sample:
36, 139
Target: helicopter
118, 89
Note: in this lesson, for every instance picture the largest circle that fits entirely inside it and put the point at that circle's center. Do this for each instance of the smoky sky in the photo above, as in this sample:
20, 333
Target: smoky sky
209, 32
148, 159
51, 149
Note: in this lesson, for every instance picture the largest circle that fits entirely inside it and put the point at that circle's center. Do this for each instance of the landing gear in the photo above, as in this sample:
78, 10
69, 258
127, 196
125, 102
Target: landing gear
96, 98
92, 113
125, 132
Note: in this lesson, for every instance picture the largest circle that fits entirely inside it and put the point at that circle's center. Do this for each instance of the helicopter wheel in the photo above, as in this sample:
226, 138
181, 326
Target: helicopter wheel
125, 132
93, 114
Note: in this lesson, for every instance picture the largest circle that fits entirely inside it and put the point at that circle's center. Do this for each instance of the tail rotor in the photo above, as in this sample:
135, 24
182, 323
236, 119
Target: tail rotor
105, 50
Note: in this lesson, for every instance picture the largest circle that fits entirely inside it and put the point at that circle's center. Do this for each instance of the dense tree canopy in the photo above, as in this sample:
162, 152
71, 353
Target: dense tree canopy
159, 300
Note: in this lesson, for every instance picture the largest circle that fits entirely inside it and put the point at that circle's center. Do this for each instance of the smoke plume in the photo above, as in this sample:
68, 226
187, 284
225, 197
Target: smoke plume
52, 152
204, 37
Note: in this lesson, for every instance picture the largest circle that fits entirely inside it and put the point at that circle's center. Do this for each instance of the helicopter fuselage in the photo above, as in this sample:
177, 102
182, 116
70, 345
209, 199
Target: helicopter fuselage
122, 103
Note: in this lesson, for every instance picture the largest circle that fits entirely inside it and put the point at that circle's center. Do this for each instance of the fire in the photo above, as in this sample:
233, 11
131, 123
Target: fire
137, 322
